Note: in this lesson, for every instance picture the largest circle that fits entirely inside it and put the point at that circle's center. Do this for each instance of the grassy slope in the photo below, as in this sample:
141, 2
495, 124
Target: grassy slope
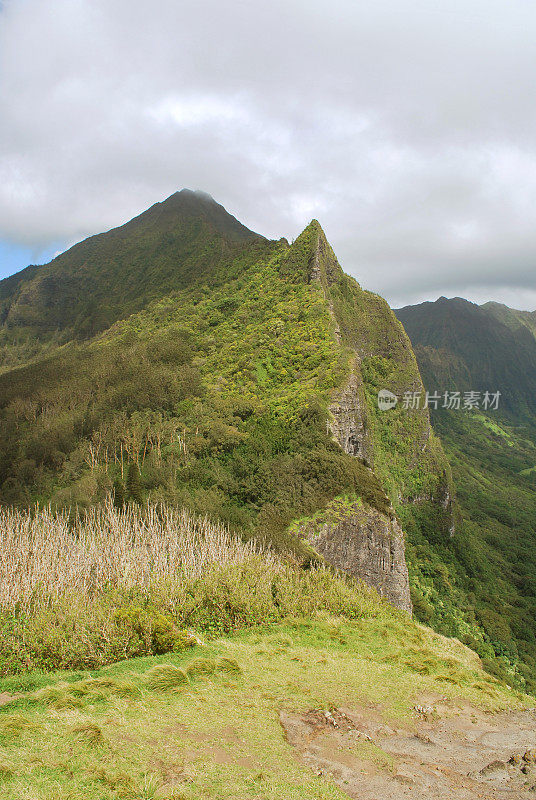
218, 736
494, 551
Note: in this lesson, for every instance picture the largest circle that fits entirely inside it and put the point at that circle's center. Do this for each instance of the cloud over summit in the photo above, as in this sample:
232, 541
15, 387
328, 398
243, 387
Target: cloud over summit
407, 128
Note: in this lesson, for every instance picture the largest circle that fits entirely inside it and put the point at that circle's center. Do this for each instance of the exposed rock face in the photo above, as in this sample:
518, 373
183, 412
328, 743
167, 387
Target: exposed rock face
365, 542
370, 546
348, 422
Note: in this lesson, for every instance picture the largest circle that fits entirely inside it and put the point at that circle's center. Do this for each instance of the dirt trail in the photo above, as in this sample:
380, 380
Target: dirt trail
451, 751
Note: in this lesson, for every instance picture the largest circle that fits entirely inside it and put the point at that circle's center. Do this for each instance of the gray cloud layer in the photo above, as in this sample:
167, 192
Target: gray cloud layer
408, 128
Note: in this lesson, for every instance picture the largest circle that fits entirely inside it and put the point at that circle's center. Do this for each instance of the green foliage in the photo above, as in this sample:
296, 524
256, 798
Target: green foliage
209, 385
218, 393
228, 665
134, 492
119, 493
188, 238
150, 628
479, 585
75, 633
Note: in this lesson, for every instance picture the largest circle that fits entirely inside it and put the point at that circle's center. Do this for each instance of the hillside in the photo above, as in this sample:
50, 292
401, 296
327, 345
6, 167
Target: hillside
195, 666
187, 238
470, 347
461, 346
325, 709
242, 385
227, 392
511, 316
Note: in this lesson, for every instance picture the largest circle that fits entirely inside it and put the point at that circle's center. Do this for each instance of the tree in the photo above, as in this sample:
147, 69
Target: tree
119, 493
134, 484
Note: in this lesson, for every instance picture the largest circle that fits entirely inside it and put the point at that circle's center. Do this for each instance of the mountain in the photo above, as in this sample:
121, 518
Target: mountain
464, 347
470, 347
511, 316
185, 359
188, 237
239, 375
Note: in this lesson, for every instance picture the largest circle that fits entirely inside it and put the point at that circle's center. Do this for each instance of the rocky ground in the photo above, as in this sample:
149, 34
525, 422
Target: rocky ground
451, 751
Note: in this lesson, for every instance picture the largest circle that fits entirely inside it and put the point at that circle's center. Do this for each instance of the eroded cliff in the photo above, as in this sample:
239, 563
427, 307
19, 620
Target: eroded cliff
397, 446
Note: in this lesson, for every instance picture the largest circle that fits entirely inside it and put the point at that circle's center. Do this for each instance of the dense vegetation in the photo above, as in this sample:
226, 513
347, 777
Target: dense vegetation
133, 582
217, 394
186, 360
481, 585
188, 238
487, 573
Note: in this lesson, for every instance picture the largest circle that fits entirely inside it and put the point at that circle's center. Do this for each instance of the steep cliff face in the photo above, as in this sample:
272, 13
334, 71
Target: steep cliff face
349, 418
367, 544
397, 445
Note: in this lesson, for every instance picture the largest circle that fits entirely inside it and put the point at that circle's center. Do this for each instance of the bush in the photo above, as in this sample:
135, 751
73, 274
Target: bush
171, 573
151, 630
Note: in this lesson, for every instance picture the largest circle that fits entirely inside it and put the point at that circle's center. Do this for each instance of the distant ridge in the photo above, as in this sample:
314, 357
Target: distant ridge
459, 344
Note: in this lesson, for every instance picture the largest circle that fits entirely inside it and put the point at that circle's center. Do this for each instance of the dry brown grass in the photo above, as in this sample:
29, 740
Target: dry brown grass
44, 556
118, 584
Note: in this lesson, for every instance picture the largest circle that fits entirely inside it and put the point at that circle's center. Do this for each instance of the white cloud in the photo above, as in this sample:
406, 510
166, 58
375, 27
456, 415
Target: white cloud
407, 128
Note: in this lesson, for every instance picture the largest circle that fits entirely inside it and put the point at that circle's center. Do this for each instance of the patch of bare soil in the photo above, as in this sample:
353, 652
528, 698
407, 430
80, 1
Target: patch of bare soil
451, 751
6, 698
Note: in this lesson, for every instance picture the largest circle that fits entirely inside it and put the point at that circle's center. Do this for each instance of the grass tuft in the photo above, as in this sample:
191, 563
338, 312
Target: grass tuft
163, 677
201, 666
228, 665
89, 733
14, 724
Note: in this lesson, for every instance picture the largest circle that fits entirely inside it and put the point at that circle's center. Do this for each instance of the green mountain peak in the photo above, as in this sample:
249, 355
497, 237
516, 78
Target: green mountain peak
187, 238
311, 257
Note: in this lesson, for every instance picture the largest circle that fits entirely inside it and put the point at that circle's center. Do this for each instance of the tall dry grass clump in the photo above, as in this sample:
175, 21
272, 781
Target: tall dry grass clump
44, 555
115, 584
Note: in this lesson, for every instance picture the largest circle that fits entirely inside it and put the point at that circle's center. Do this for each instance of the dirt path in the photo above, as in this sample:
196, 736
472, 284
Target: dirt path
452, 751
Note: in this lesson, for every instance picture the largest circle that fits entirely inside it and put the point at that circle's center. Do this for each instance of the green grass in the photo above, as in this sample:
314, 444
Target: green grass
218, 735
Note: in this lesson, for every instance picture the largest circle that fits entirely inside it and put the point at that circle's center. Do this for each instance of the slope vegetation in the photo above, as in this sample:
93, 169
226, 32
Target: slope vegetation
490, 567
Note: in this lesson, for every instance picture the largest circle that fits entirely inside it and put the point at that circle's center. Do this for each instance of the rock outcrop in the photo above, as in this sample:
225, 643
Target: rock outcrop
398, 446
349, 419
368, 545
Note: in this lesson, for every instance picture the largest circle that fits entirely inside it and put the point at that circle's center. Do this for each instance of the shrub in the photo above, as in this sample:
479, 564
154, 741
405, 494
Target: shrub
118, 584
150, 629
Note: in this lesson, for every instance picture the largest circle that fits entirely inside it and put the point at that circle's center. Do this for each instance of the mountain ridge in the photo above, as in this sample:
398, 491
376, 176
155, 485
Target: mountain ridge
244, 386
477, 347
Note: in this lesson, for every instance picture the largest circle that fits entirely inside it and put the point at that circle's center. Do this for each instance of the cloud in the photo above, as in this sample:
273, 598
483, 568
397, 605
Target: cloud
407, 128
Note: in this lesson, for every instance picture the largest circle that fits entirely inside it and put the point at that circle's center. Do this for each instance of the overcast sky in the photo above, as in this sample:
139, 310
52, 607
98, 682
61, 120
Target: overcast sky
407, 128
